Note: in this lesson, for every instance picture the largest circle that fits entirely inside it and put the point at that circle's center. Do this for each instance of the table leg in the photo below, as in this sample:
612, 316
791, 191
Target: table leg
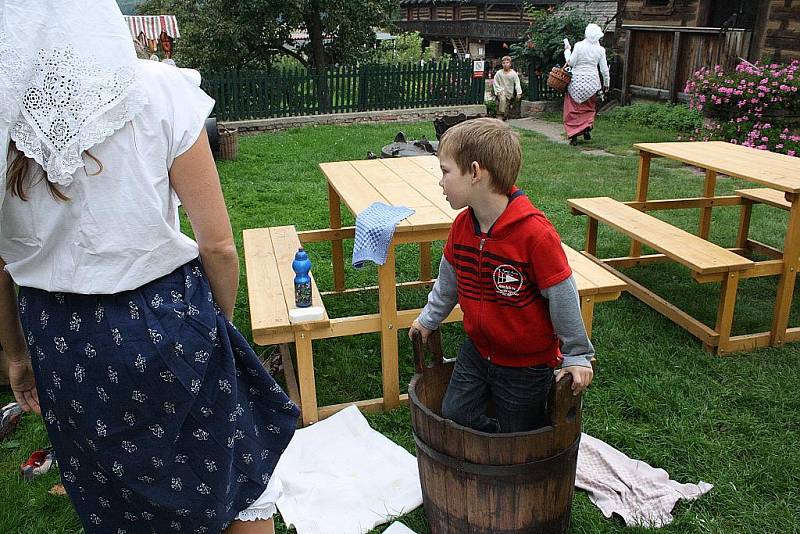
305, 377
705, 214
727, 304
387, 298
337, 251
642, 181
587, 313
591, 236
791, 261
424, 261
744, 223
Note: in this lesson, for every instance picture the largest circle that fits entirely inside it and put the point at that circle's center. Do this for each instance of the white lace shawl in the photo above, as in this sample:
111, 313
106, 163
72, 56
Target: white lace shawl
69, 81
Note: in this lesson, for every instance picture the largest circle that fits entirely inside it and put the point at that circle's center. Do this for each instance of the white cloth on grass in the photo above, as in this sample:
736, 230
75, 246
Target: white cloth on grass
642, 495
398, 528
340, 475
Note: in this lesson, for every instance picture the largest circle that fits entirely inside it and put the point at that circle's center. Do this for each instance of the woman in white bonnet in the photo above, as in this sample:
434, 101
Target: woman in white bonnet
580, 101
161, 415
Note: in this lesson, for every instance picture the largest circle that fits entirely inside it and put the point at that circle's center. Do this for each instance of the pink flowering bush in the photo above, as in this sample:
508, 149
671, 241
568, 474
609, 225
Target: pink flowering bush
756, 105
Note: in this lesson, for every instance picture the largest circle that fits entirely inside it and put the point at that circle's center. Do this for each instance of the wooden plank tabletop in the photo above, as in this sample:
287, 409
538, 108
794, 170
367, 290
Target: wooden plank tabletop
777, 171
409, 182
591, 278
687, 249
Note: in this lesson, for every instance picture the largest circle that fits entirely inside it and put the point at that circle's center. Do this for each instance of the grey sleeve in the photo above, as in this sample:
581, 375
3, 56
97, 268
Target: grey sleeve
565, 314
442, 298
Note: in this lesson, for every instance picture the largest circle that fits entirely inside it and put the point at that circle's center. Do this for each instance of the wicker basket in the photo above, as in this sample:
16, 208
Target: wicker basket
559, 78
228, 143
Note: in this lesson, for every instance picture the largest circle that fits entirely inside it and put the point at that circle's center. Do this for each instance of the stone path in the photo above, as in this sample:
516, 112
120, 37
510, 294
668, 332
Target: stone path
554, 132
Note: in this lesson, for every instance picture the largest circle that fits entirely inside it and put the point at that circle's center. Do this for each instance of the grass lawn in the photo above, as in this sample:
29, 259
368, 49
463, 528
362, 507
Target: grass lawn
731, 421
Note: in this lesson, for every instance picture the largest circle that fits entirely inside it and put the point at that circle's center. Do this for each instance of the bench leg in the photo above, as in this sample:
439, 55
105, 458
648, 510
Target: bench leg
642, 181
791, 262
705, 214
744, 224
727, 304
424, 261
305, 376
587, 313
591, 236
387, 298
337, 250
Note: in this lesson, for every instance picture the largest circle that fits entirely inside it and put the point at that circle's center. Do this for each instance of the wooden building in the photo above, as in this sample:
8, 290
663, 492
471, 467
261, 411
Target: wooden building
662, 42
481, 28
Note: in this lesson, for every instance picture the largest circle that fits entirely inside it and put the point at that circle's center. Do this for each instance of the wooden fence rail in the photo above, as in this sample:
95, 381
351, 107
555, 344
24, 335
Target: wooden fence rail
341, 89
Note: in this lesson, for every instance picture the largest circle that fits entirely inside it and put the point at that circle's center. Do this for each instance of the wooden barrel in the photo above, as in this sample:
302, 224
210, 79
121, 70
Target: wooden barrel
479, 483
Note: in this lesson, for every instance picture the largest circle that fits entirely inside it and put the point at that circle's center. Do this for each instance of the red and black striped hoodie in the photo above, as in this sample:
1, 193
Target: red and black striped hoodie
500, 275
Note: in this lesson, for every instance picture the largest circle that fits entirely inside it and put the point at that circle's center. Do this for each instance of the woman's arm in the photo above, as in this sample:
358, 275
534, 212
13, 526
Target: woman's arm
604, 69
12, 339
194, 178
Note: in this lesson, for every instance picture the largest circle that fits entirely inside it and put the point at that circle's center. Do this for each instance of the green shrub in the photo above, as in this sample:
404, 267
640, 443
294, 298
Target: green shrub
491, 108
665, 116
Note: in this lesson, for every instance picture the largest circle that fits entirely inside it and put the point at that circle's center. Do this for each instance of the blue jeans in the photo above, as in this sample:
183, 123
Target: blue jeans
519, 394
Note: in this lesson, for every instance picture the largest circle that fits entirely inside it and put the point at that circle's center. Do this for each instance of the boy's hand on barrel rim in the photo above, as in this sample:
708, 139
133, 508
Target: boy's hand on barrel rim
416, 326
581, 377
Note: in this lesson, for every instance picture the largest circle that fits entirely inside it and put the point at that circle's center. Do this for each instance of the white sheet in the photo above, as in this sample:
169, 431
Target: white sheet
340, 475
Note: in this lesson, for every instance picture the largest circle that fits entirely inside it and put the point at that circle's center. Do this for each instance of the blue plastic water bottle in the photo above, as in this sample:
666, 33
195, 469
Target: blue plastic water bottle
302, 281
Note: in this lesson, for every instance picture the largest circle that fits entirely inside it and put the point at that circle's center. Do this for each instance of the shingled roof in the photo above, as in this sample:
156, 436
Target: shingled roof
603, 11
475, 2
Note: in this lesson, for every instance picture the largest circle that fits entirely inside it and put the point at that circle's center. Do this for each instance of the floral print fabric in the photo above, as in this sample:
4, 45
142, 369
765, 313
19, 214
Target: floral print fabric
161, 415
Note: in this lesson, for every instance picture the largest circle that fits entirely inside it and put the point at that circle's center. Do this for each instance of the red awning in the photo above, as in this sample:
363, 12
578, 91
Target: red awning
153, 25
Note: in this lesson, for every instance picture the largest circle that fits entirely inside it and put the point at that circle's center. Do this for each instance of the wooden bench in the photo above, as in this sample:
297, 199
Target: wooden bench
770, 197
270, 286
707, 262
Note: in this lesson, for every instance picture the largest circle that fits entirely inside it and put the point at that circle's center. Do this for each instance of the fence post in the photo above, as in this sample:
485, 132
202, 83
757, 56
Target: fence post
363, 72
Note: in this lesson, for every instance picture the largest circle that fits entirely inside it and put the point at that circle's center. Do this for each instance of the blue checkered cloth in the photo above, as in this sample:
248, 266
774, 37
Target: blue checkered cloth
374, 230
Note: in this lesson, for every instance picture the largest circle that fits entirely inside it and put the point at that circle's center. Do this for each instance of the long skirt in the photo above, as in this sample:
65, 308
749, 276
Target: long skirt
578, 117
161, 415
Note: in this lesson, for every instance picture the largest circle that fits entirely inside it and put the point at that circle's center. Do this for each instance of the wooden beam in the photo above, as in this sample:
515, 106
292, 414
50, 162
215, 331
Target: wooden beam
642, 182
725, 311
626, 61
762, 248
337, 251
673, 68
367, 406
685, 203
761, 268
289, 374
406, 285
305, 375
748, 342
744, 223
327, 234
709, 185
387, 304
701, 331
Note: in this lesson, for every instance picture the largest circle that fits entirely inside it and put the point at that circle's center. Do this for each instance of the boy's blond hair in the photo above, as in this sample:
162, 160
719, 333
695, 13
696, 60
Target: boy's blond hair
490, 142
505, 58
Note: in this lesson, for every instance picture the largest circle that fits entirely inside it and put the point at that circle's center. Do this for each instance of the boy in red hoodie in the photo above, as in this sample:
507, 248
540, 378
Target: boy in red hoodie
503, 263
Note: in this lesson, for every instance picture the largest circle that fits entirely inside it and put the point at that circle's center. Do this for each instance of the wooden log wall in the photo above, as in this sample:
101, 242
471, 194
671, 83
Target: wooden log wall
782, 36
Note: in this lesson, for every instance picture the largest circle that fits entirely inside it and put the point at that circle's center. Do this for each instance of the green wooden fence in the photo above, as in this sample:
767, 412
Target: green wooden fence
341, 89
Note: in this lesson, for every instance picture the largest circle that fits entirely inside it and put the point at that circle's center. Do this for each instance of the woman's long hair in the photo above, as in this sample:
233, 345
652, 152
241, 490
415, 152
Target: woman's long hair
18, 171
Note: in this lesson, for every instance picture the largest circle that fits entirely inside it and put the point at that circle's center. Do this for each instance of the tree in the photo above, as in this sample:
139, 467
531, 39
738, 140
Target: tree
239, 34
544, 45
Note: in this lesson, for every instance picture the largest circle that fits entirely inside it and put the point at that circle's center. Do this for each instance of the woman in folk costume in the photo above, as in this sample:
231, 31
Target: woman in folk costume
580, 101
161, 415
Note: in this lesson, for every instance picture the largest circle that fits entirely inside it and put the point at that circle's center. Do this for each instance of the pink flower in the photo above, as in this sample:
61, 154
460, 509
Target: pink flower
790, 153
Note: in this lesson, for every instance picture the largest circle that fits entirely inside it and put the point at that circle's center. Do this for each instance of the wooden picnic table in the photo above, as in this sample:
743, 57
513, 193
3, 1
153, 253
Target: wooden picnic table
411, 182
708, 262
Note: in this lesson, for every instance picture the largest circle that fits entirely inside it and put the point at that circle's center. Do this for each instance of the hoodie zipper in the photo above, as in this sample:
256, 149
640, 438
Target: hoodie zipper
480, 271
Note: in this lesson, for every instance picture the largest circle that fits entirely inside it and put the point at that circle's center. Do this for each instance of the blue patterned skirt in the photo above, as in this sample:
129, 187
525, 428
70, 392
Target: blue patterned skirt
161, 415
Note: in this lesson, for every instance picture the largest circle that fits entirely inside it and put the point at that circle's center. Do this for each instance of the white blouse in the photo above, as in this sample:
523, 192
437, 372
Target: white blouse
584, 60
120, 228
